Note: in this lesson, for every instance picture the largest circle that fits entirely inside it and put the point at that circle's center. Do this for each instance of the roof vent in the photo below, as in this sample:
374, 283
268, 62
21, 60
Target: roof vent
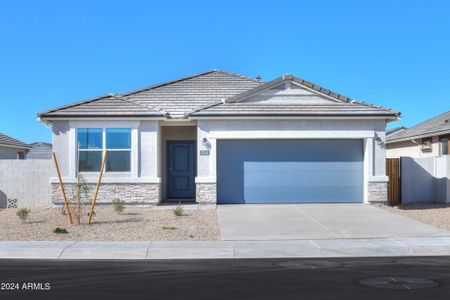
258, 77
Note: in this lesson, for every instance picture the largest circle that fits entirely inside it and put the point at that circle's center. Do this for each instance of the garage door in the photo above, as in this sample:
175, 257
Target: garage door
289, 171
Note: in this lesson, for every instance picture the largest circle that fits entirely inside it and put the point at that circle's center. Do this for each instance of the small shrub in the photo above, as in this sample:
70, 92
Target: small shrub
23, 214
119, 205
60, 230
178, 211
168, 228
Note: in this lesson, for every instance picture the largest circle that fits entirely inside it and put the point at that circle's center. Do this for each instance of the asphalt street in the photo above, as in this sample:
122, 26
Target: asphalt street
348, 278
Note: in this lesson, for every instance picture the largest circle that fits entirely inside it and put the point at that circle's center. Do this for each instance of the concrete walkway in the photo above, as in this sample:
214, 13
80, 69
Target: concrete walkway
317, 221
431, 246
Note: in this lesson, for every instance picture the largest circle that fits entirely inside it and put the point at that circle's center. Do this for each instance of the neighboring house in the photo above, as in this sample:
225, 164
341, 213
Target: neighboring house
40, 150
10, 148
218, 137
427, 139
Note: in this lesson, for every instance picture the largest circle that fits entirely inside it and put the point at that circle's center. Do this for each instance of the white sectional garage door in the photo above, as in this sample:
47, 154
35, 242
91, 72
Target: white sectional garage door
290, 171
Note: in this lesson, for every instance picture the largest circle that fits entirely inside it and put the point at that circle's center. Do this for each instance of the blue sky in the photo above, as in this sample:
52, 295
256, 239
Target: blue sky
392, 53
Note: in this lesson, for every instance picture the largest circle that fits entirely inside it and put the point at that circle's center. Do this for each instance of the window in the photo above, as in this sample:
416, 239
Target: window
444, 145
427, 145
90, 143
118, 144
93, 142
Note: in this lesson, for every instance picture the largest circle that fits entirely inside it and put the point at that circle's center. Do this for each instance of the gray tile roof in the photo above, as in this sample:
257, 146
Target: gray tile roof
394, 130
310, 100
104, 106
203, 94
11, 142
172, 98
438, 125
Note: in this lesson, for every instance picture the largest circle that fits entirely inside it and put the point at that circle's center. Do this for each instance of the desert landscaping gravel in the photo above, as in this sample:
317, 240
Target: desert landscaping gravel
134, 224
433, 214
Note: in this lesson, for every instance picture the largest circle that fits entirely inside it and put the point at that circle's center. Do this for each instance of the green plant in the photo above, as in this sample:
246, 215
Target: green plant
178, 211
168, 228
23, 214
119, 205
60, 230
80, 198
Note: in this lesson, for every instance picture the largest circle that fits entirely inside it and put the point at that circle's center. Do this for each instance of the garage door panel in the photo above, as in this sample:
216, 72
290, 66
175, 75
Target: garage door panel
289, 171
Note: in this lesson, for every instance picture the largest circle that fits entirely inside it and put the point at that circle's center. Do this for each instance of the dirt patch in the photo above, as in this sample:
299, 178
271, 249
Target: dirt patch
430, 213
134, 224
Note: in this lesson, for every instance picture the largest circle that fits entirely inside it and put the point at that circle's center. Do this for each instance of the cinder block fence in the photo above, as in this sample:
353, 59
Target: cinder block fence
26, 181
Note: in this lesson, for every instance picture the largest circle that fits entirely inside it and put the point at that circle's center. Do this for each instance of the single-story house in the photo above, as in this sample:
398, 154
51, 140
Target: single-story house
11, 148
427, 139
219, 137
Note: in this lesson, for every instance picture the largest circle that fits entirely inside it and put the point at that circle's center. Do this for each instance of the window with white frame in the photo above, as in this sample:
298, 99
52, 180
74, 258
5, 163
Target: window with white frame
93, 142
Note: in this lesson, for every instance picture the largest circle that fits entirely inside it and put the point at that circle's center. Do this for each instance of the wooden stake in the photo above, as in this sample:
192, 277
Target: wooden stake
96, 188
66, 203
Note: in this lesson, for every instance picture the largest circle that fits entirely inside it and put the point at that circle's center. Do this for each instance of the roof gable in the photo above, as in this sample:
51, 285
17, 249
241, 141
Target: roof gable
292, 96
287, 93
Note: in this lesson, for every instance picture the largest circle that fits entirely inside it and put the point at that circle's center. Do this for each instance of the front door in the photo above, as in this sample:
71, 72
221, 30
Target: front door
180, 169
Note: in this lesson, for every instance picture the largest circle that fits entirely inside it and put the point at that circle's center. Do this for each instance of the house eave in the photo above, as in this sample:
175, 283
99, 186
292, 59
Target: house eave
97, 118
16, 147
291, 116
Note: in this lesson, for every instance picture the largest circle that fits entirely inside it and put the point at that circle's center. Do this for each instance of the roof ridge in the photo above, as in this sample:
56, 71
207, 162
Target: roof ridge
153, 86
157, 85
125, 99
239, 75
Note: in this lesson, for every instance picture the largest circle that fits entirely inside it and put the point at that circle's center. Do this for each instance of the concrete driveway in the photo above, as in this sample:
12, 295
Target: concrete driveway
317, 221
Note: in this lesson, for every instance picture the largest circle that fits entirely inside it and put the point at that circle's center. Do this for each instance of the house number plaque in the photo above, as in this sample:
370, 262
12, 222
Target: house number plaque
204, 152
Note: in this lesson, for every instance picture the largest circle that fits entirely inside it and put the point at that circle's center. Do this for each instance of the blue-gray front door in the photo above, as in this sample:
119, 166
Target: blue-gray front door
181, 169
290, 171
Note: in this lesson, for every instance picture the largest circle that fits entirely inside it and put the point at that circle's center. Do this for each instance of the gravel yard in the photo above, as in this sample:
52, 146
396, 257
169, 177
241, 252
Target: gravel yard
134, 224
430, 213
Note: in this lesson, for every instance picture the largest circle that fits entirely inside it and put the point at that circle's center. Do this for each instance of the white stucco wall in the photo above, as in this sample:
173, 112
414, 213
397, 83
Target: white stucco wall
368, 130
410, 149
145, 137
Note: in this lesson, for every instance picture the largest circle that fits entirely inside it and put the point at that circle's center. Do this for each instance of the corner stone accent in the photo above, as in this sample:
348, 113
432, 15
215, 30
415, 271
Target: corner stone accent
378, 192
132, 193
206, 193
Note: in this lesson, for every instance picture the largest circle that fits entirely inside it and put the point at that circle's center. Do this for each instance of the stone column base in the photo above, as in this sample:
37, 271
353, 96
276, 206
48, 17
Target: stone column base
378, 192
206, 193
131, 193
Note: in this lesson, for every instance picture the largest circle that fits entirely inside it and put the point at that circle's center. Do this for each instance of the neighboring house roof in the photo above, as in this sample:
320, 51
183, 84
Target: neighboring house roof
292, 96
438, 125
172, 98
219, 93
8, 141
395, 130
40, 150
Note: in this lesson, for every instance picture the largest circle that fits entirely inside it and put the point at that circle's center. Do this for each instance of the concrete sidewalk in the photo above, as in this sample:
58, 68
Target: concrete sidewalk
424, 246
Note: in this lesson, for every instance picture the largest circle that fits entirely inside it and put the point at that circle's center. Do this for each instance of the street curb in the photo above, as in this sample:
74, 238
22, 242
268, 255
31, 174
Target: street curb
160, 250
